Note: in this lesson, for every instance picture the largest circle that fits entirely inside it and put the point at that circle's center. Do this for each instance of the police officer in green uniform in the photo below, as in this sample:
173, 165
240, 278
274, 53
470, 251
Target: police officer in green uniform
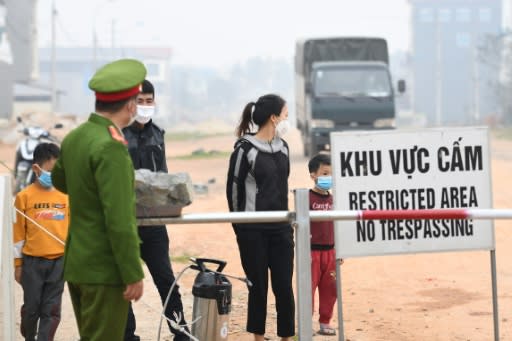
102, 257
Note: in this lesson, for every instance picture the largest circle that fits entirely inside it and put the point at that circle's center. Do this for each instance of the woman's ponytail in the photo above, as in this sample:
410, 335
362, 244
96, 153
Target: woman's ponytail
245, 125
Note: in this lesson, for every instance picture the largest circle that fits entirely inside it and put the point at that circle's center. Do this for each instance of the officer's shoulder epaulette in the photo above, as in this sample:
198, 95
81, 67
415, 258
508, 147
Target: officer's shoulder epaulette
116, 135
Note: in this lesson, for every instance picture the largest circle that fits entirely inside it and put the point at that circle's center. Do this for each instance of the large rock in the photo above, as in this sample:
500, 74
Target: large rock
161, 194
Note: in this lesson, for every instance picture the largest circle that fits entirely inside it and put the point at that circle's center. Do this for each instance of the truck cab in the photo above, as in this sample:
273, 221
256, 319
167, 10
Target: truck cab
342, 84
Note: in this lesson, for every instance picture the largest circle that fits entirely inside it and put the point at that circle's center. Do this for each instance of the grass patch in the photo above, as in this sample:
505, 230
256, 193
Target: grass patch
185, 258
203, 154
192, 135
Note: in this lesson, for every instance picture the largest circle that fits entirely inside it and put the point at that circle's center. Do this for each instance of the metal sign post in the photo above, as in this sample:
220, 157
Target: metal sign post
494, 281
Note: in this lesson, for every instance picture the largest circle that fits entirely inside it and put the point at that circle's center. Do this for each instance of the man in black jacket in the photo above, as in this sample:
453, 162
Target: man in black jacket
146, 146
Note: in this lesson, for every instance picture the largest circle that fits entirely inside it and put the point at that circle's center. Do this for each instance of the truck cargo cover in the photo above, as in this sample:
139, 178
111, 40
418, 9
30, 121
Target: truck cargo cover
339, 49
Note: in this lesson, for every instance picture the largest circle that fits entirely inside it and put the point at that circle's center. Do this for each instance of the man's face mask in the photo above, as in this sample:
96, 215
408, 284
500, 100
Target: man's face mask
144, 113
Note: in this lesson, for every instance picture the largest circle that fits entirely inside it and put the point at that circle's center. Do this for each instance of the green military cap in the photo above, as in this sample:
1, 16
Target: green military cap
118, 80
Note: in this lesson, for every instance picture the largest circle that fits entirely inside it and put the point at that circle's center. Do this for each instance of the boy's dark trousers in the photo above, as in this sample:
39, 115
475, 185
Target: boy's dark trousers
261, 250
154, 250
43, 285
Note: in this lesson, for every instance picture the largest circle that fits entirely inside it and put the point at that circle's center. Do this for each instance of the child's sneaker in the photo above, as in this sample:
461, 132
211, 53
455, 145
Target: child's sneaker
326, 329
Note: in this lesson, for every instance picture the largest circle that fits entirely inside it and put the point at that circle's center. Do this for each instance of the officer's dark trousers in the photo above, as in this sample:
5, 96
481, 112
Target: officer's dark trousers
43, 285
261, 250
154, 250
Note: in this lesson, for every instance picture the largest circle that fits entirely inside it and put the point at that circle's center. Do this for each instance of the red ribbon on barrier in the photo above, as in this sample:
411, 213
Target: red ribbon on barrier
414, 214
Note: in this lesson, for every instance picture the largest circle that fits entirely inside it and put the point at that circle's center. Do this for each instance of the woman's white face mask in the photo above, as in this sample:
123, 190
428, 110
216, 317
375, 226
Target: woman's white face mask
144, 113
282, 128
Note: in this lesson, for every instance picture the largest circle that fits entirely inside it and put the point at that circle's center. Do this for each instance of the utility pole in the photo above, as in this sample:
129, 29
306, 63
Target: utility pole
53, 79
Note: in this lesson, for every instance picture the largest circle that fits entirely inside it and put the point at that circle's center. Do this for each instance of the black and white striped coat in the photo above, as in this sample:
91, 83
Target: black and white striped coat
258, 177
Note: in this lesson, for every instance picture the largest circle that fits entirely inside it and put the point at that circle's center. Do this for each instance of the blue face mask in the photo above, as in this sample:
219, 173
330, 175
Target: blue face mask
45, 179
324, 182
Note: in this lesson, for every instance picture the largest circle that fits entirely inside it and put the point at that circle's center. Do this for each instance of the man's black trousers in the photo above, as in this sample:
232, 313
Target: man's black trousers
154, 251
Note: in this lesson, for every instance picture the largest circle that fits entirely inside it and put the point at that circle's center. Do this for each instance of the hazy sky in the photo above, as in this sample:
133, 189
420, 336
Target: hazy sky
219, 32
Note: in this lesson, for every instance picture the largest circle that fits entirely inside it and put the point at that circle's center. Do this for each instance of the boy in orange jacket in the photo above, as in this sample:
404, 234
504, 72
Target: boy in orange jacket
39, 232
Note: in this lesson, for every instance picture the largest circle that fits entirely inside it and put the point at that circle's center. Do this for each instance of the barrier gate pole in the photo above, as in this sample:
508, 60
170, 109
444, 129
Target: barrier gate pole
303, 267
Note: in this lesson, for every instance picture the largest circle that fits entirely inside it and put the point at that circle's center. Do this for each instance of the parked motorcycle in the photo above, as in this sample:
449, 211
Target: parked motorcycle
35, 135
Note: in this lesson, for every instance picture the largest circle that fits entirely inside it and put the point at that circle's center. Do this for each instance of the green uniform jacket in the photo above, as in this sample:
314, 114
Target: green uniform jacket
96, 171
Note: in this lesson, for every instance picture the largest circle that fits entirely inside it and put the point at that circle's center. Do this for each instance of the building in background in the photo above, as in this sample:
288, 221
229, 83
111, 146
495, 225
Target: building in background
76, 65
450, 83
18, 52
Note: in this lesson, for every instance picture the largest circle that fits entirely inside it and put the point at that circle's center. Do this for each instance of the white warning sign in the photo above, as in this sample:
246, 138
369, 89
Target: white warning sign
410, 170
